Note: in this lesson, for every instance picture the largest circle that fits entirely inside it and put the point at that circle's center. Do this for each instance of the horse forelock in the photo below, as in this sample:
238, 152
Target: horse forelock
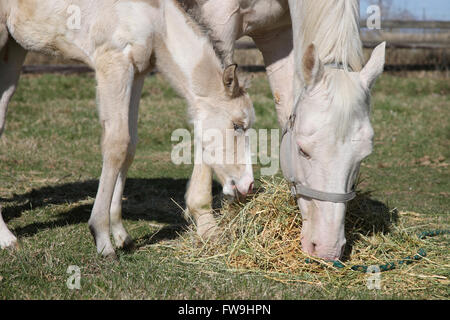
349, 100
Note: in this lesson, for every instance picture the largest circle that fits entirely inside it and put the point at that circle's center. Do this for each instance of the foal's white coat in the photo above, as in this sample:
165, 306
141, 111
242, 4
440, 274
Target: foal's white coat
268, 23
122, 40
334, 124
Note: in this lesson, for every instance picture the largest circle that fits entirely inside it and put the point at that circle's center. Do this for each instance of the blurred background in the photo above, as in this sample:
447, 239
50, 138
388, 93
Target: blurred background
417, 33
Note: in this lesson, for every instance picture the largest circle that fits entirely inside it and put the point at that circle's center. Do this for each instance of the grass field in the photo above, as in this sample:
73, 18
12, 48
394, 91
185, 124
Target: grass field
50, 162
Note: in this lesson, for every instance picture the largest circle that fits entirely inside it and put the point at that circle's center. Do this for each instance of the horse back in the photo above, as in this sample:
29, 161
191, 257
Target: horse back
79, 29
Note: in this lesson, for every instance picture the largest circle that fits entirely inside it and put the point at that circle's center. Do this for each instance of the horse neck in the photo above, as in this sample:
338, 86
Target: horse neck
186, 56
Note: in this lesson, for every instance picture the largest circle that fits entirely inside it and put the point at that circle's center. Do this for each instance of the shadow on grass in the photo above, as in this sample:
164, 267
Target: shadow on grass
366, 216
159, 200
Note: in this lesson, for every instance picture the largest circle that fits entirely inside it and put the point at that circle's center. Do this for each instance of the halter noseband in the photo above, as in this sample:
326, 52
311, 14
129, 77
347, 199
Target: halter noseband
297, 188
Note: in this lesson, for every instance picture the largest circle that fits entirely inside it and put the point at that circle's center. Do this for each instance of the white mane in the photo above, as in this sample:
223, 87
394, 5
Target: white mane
333, 27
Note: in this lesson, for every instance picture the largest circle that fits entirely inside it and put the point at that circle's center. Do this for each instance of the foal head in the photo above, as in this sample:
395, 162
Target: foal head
225, 114
327, 137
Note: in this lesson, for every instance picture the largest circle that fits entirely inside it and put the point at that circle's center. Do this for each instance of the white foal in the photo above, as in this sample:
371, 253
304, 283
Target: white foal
122, 41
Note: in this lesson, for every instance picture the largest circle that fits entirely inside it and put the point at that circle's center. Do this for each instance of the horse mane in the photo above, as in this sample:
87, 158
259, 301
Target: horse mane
192, 8
333, 27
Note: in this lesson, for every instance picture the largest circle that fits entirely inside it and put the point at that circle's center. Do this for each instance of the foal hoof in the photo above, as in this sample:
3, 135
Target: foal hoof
128, 244
111, 257
10, 243
207, 227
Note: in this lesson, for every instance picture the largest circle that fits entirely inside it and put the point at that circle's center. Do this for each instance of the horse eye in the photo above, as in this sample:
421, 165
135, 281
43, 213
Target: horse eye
303, 153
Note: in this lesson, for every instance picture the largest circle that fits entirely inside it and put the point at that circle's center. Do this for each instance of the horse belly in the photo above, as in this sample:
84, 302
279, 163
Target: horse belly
138, 21
82, 29
49, 27
264, 15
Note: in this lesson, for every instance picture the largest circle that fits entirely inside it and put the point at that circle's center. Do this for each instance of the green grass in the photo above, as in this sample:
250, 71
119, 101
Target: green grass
51, 161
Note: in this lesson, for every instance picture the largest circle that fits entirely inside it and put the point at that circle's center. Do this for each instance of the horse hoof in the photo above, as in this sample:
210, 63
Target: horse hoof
128, 244
15, 246
111, 257
207, 227
10, 244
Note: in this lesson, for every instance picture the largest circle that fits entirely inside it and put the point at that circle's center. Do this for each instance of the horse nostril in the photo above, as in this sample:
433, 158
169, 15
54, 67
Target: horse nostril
250, 187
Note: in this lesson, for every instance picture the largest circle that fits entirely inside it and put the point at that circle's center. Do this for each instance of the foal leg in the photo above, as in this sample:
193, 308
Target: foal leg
11, 60
277, 50
115, 76
199, 200
7, 239
12, 57
120, 235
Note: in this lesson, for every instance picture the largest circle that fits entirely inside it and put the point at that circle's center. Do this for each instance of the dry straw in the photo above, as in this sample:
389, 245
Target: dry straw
262, 235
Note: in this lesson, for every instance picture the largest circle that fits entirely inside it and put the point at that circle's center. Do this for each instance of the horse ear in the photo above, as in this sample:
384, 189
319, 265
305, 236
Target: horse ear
230, 80
374, 67
312, 66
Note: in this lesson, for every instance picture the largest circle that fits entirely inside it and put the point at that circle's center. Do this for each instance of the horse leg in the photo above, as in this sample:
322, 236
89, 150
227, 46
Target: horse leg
7, 239
120, 235
277, 50
199, 200
114, 86
11, 60
12, 57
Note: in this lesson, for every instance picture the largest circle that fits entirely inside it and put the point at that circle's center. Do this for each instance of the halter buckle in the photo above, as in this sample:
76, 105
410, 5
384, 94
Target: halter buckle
293, 190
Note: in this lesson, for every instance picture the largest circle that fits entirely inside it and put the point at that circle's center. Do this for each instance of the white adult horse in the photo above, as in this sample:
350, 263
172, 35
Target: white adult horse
122, 41
327, 130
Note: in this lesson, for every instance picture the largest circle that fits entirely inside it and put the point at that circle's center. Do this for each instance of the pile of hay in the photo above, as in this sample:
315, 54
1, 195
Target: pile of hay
263, 235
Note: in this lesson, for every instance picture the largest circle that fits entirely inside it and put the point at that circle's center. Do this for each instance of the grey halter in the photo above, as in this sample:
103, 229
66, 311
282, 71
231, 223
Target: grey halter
297, 188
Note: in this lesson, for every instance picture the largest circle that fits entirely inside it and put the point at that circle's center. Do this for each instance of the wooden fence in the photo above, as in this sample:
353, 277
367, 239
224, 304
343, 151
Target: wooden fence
390, 25
387, 25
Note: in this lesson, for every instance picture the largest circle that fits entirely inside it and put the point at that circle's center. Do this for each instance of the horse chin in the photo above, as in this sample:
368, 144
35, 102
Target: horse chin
319, 238
230, 191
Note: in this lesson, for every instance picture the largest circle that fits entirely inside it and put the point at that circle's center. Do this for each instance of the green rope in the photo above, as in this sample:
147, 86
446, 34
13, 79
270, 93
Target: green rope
392, 265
